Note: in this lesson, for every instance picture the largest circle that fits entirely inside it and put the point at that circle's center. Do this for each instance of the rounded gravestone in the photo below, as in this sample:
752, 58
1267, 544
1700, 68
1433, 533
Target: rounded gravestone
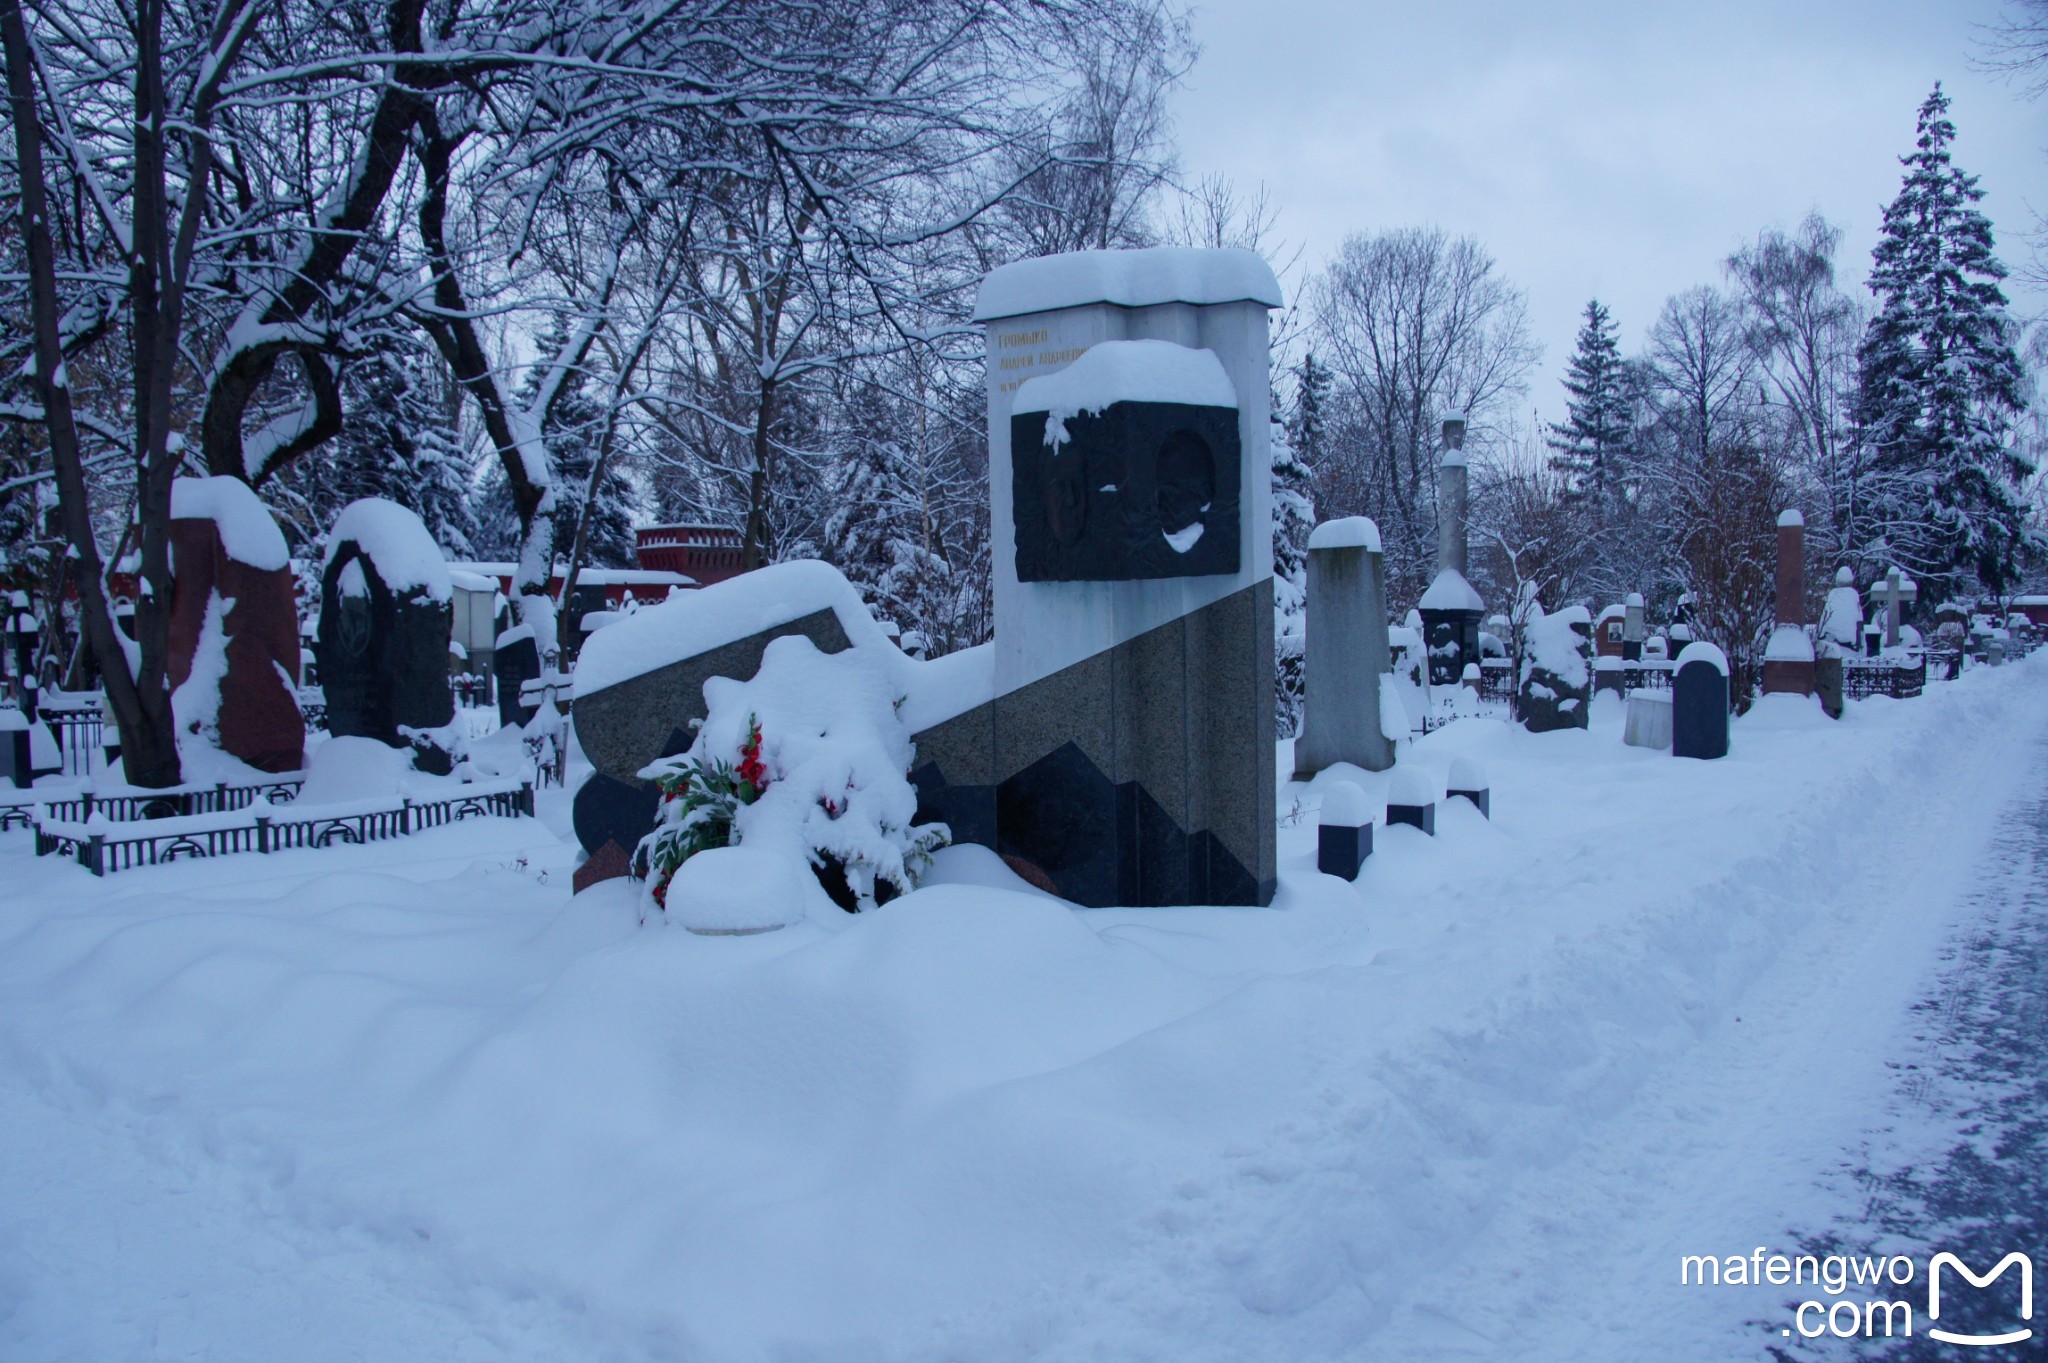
1699, 703
386, 612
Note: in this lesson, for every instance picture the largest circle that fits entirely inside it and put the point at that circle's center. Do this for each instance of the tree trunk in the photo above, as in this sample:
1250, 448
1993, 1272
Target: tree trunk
757, 548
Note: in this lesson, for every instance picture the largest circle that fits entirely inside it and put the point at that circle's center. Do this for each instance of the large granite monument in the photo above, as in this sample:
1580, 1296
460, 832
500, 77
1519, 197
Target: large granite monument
1788, 656
1348, 663
1451, 610
1127, 757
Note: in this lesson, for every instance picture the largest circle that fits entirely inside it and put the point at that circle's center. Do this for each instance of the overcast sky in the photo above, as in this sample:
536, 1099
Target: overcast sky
1618, 150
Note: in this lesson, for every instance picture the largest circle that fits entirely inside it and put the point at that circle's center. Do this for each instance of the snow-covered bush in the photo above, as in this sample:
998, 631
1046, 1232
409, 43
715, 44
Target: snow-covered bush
809, 761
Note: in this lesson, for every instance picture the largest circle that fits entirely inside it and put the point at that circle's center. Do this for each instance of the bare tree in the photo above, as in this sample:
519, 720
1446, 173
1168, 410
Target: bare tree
1413, 323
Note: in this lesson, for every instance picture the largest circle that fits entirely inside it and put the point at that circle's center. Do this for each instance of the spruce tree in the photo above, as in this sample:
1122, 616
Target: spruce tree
1938, 382
1308, 422
1293, 518
1592, 440
573, 430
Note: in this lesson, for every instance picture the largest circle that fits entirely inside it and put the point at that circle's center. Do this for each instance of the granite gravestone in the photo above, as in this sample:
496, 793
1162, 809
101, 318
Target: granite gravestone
1451, 610
1788, 657
232, 589
1699, 703
1557, 671
1347, 659
385, 615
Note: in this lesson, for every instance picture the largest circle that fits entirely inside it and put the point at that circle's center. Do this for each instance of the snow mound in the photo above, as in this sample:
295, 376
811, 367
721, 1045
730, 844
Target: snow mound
1791, 516
1411, 786
1788, 644
1345, 805
1395, 723
248, 531
1450, 592
1467, 774
1129, 279
1346, 532
398, 542
736, 891
345, 770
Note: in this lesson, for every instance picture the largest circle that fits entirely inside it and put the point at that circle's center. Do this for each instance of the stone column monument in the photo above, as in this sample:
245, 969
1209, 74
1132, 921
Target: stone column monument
1129, 750
1347, 659
1451, 609
1788, 657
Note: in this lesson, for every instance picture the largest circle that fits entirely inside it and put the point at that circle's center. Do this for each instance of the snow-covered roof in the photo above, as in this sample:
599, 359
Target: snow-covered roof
1130, 279
2030, 600
1346, 532
397, 541
1129, 371
470, 582
1450, 592
589, 577
1791, 516
247, 530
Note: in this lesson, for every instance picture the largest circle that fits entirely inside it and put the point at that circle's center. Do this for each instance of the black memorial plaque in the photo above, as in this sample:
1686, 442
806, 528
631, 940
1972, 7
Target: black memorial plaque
1138, 490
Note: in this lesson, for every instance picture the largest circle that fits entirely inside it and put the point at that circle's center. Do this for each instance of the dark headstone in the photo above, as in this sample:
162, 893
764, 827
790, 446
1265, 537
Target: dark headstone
383, 655
259, 720
608, 862
1699, 705
1341, 849
1129, 483
607, 809
1482, 797
1421, 816
514, 663
1827, 683
1548, 699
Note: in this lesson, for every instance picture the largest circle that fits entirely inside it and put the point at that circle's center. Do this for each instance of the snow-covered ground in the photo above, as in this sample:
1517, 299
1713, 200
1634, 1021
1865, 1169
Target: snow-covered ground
411, 1101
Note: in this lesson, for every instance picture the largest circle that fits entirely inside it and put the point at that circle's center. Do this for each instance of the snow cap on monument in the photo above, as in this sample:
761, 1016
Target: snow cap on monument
1791, 516
1130, 279
1346, 532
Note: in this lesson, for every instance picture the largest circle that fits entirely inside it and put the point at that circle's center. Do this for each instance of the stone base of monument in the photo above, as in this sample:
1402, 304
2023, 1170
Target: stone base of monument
1120, 780
1788, 677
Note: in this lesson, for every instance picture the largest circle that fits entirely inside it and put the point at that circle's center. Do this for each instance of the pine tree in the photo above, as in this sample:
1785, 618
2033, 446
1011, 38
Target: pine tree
573, 430
1591, 442
1938, 382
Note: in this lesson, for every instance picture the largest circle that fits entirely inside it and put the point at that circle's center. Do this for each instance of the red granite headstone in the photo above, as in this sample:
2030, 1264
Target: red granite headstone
259, 705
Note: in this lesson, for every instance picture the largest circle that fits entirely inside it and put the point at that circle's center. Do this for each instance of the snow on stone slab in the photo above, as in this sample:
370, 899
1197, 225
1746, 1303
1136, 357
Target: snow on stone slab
1788, 644
348, 769
398, 542
695, 622
1345, 805
471, 582
248, 532
1553, 645
1413, 786
1450, 592
1125, 371
1703, 652
1346, 532
1467, 774
1130, 279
